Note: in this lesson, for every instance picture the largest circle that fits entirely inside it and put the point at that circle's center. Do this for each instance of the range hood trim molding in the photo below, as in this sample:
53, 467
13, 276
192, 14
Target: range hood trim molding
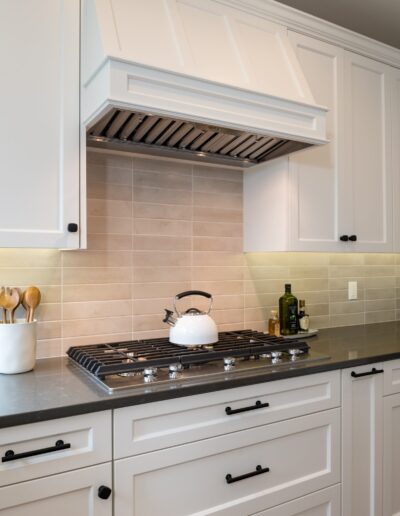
139, 87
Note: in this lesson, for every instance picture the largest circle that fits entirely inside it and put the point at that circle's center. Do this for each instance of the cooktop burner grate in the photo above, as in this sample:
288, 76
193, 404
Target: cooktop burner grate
134, 356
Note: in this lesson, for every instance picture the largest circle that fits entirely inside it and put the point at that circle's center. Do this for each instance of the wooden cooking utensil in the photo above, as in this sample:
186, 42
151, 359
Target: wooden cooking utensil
15, 300
11, 300
2, 294
30, 301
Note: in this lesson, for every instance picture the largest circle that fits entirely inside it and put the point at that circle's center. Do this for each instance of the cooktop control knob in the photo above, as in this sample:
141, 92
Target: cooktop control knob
175, 371
294, 353
229, 363
149, 374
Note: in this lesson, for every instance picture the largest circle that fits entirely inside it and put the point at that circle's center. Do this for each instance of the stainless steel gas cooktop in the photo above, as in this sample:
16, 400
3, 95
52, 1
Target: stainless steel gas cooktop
157, 362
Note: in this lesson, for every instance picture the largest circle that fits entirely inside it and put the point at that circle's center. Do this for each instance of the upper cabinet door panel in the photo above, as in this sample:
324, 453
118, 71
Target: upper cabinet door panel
39, 136
368, 158
316, 207
395, 111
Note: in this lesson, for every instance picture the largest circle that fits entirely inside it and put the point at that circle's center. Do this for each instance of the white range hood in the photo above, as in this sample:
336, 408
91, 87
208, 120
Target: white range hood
196, 79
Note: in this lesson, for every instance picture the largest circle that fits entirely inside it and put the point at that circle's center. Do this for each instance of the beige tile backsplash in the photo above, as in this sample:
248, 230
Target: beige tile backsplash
157, 227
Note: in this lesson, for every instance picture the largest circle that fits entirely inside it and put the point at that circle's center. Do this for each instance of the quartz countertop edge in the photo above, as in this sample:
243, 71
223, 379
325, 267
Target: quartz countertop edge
58, 388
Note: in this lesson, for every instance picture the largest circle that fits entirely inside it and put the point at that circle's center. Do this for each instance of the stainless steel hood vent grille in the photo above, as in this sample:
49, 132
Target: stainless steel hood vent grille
157, 135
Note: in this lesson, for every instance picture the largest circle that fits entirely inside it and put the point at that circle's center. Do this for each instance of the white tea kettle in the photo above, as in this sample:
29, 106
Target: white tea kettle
193, 327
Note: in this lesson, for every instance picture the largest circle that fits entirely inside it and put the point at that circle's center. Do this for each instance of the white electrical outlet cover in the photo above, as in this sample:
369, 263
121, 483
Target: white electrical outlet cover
352, 290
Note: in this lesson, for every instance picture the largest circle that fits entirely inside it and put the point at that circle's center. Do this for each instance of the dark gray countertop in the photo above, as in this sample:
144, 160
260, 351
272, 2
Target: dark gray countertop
58, 388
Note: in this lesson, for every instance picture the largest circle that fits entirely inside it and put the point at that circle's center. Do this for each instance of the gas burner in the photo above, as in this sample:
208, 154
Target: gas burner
159, 363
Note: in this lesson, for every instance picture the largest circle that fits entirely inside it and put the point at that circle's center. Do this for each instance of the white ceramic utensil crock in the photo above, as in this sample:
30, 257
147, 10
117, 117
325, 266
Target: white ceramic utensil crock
17, 347
193, 327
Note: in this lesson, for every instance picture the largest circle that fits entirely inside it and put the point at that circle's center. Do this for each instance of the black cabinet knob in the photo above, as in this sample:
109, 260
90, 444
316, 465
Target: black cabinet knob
344, 238
104, 492
353, 238
72, 227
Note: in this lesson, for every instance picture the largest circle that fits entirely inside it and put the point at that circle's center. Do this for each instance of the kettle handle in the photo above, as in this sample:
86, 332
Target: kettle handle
193, 293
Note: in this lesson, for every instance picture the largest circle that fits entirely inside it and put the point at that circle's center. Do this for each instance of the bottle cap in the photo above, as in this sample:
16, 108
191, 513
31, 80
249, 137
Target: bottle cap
302, 303
274, 313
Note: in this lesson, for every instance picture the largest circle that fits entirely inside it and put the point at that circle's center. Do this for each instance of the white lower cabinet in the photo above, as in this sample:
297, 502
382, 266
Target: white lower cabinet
234, 474
391, 455
322, 503
362, 440
74, 493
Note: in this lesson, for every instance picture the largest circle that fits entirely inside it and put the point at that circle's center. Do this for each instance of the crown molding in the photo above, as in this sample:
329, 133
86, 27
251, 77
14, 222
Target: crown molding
309, 25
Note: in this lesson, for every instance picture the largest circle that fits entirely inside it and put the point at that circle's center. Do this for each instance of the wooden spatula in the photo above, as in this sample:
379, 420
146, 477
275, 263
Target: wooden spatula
30, 301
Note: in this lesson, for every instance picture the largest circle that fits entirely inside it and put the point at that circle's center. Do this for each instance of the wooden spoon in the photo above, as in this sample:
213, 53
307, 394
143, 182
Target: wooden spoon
15, 298
30, 301
2, 294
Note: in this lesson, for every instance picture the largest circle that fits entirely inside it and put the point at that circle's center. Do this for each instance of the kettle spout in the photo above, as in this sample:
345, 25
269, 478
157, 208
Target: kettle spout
168, 317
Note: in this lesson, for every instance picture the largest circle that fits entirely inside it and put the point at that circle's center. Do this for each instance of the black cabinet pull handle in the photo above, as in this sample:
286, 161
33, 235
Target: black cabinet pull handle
10, 455
353, 238
258, 405
374, 370
104, 492
344, 238
72, 227
259, 471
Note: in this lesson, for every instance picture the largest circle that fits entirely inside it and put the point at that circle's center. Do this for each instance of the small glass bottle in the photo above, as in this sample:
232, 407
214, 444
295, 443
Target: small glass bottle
288, 312
304, 318
273, 324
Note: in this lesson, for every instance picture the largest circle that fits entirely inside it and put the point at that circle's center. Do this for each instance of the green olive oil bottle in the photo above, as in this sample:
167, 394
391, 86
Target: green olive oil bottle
288, 312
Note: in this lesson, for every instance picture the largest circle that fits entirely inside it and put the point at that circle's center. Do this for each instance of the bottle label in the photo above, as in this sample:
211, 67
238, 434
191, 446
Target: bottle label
292, 318
304, 323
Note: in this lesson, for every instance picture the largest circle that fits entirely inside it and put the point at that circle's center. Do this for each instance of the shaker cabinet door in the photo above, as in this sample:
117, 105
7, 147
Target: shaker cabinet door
75, 493
391, 455
317, 210
362, 440
395, 110
39, 133
368, 160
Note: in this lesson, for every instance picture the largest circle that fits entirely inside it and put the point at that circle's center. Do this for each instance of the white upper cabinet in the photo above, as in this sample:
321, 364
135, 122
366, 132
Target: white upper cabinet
338, 197
316, 176
367, 154
39, 136
395, 110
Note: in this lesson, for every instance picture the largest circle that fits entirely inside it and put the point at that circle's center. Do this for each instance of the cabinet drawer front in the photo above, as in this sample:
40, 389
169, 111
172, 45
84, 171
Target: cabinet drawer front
322, 503
154, 426
88, 437
302, 454
59, 495
391, 378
